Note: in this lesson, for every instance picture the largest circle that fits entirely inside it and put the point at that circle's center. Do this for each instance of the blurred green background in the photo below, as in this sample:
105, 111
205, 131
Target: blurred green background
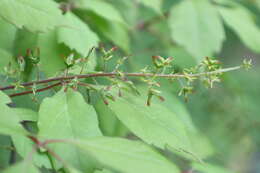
188, 30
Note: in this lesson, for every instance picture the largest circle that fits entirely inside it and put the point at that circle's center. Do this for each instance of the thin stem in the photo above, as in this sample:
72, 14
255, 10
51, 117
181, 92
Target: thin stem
86, 59
38, 90
112, 74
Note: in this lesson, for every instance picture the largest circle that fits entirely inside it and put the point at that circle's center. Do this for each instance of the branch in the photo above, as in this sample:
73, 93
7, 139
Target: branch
112, 74
38, 90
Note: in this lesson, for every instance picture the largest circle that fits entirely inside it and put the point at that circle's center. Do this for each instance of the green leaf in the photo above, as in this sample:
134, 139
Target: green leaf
196, 26
200, 143
156, 5
109, 123
22, 167
4, 98
102, 9
155, 125
24, 146
9, 123
50, 50
244, 25
26, 114
209, 168
67, 116
52, 54
5, 151
103, 171
125, 155
34, 15
6, 57
114, 31
7, 39
79, 36
117, 33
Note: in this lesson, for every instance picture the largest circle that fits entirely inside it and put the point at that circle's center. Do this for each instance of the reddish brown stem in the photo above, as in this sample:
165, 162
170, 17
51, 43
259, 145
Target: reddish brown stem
38, 90
112, 74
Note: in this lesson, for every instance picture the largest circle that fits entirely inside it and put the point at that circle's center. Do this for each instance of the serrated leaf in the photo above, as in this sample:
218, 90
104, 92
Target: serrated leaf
244, 25
34, 15
78, 37
156, 124
156, 5
209, 168
67, 116
9, 123
24, 166
196, 26
125, 155
4, 98
102, 9
200, 144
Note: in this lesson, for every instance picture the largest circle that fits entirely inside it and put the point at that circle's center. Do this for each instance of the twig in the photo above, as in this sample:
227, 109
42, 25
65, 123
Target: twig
112, 74
38, 90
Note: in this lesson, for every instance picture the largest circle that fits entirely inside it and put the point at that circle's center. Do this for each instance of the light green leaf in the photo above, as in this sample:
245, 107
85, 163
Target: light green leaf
26, 114
68, 116
22, 167
6, 57
209, 168
9, 123
117, 33
196, 26
154, 4
4, 98
126, 156
34, 15
79, 36
102, 9
155, 125
244, 25
7, 39
200, 144
24, 146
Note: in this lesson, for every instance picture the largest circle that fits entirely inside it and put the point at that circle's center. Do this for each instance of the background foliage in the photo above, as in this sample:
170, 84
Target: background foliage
219, 126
